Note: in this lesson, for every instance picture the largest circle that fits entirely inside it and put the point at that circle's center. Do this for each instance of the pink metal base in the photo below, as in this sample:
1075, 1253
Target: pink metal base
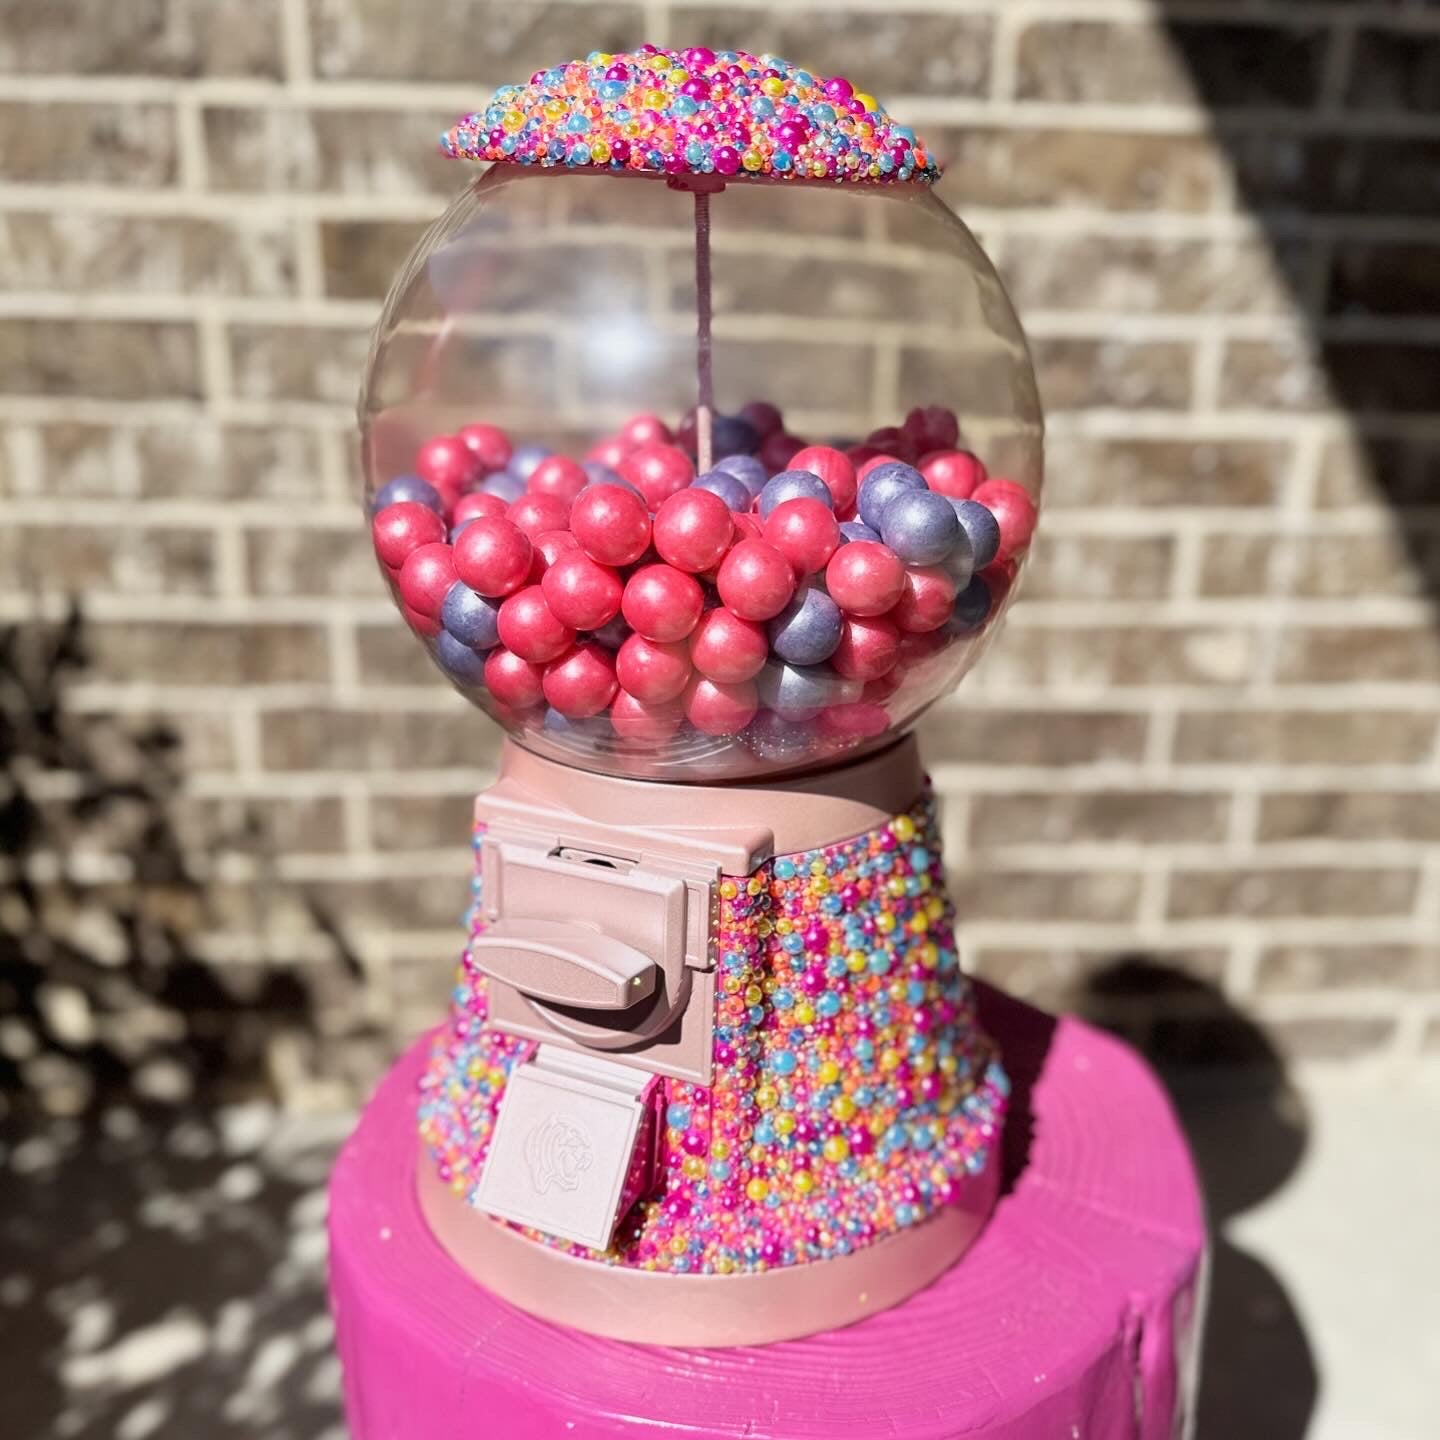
1075, 1312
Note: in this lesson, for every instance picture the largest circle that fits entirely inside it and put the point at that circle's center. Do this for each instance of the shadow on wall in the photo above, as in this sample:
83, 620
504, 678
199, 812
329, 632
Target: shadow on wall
1248, 1130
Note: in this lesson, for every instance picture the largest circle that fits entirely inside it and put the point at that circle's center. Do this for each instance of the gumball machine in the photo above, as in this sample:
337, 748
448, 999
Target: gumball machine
702, 452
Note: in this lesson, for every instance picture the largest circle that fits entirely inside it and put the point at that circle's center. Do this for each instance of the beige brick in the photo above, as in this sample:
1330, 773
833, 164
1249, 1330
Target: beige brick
955, 734
389, 654
1061, 980
1369, 468
64, 142
1300, 969
1103, 896
125, 560
1094, 567
1332, 1037
1341, 566
293, 561
346, 740
1277, 374
106, 359
1128, 375
293, 362
197, 654
1352, 654
1352, 815
1122, 655
1141, 817
400, 904
1205, 474
1299, 737
420, 822
975, 382
1303, 893
262, 825
195, 740
1238, 564
141, 37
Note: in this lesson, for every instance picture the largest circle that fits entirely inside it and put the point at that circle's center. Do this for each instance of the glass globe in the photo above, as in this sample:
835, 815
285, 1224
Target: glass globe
700, 478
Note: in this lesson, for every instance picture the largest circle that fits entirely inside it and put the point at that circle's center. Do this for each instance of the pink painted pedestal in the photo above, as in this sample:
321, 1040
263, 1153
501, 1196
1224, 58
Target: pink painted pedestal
1075, 1316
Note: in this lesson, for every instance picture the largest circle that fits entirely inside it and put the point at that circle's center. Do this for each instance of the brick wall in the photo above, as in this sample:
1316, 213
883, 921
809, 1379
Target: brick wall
1209, 735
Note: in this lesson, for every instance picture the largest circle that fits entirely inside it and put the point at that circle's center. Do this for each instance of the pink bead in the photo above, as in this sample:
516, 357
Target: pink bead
402, 528
720, 709
447, 463
692, 530
581, 592
868, 647
650, 672
955, 473
926, 601
557, 475
662, 603
1013, 510
531, 629
833, 467
636, 720
611, 523
657, 471
726, 648
513, 681
727, 159
492, 557
777, 450
428, 572
581, 682
865, 577
533, 514
805, 532
489, 444
756, 581
476, 505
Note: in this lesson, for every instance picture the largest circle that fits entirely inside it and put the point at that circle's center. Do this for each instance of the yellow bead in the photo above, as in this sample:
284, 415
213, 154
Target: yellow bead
723, 1264
553, 109
728, 890
804, 1182
890, 1059
719, 1148
868, 101
885, 922
753, 994
895, 886
511, 121
784, 1123
767, 1097
919, 923
843, 1108
773, 86
693, 1166
654, 99
855, 962
757, 1189
903, 827
804, 1013
676, 1245
828, 1073
948, 1064
837, 1148
752, 160
783, 925
660, 62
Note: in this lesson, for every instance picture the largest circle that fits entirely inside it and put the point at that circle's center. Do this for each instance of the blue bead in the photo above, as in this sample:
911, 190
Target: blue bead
882, 485
470, 618
783, 1062
972, 607
794, 485
730, 488
749, 471
856, 530
459, 661
506, 485
807, 630
983, 530
526, 458
730, 435
920, 526
408, 488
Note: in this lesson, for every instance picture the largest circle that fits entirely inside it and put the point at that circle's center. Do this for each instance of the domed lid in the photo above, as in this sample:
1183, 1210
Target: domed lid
694, 112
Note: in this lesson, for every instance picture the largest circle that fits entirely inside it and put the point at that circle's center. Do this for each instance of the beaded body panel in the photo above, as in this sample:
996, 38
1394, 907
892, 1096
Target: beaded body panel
852, 1087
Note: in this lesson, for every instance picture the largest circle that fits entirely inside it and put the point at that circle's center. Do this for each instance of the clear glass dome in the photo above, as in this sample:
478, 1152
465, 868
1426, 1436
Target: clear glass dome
700, 480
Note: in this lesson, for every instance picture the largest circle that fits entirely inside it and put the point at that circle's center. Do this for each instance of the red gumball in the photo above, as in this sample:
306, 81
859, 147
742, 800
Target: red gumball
764, 418
651, 672
550, 545
657, 471
872, 459
999, 576
1014, 512
728, 649
609, 452
720, 709
400, 529
865, 577
777, 449
580, 591
582, 682
611, 523
426, 575
531, 629
662, 603
447, 463
489, 444
805, 532
756, 581
748, 526
426, 625
853, 721
868, 647
692, 530
512, 681
955, 473
641, 722
492, 557
533, 514
641, 430
834, 468
926, 601
932, 427
557, 475
476, 505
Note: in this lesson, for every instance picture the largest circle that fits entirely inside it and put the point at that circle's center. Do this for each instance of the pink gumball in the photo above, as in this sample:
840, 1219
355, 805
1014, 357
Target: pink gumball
557, 475
692, 530
805, 532
748, 526
777, 449
426, 575
720, 709
868, 647
657, 471
400, 529
853, 722
492, 557
581, 683
611, 523
755, 580
895, 441
662, 603
1014, 512
865, 577
447, 463
489, 444
934, 427
641, 430
955, 473
640, 722
426, 625
609, 452
549, 546
651, 672
833, 467
728, 649
531, 629
926, 601
512, 681
476, 505
533, 514
581, 592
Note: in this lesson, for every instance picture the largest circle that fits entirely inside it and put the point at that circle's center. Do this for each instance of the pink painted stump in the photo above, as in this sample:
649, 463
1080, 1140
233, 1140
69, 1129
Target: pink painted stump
1075, 1316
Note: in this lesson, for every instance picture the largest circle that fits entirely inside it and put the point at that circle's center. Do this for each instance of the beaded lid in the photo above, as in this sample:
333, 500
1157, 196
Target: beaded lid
694, 112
